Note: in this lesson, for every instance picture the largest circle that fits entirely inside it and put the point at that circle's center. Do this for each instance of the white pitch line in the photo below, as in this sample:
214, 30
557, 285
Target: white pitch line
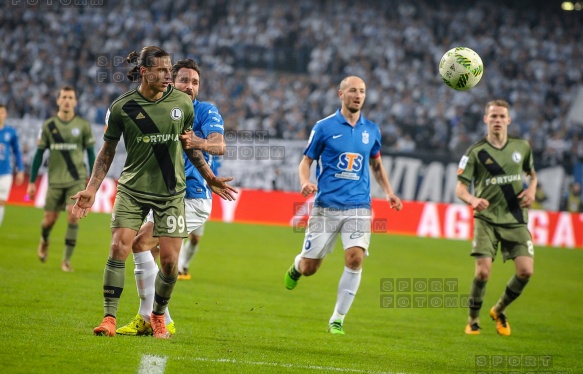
284, 365
152, 364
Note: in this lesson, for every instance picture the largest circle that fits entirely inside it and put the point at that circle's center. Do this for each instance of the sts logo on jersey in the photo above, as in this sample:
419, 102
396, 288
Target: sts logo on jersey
350, 161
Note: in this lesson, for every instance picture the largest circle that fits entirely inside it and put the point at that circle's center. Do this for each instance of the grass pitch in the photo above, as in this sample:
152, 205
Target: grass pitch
235, 315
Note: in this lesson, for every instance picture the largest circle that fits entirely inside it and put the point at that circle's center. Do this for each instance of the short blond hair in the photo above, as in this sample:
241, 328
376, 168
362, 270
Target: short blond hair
497, 102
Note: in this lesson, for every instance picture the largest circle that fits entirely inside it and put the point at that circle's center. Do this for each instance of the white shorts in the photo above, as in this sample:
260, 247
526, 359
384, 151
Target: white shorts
5, 186
324, 225
199, 231
197, 212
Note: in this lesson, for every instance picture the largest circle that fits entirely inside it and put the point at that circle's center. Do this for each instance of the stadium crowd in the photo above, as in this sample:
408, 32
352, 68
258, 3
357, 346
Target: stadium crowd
274, 66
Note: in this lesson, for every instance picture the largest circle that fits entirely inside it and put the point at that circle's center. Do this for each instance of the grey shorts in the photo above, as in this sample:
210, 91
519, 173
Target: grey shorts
513, 241
169, 221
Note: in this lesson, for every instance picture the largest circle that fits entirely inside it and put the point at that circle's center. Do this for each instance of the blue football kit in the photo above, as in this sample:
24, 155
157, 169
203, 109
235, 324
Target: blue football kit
342, 153
9, 147
207, 120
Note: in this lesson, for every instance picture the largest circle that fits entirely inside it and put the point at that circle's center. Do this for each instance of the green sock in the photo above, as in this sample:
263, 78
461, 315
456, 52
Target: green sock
113, 281
477, 291
164, 286
514, 288
70, 241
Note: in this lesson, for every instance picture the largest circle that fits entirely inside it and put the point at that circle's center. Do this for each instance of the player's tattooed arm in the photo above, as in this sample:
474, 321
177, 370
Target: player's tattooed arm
84, 199
218, 185
197, 159
102, 164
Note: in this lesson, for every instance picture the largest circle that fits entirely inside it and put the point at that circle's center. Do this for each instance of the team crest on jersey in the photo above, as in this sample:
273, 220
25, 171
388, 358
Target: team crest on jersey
7, 137
365, 137
75, 131
176, 113
516, 157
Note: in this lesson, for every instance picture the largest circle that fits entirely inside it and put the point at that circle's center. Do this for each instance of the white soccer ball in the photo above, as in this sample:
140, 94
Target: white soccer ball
461, 68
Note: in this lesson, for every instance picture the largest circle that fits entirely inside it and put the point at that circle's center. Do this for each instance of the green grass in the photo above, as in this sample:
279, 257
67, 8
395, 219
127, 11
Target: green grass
236, 316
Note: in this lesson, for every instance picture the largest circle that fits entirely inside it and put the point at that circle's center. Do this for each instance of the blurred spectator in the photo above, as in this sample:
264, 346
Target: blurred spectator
573, 202
272, 65
539, 197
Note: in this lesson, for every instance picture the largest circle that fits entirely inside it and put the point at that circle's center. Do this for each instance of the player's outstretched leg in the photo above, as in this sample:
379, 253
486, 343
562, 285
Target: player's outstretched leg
513, 290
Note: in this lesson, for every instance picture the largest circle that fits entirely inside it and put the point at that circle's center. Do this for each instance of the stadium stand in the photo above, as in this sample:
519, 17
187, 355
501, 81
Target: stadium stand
273, 66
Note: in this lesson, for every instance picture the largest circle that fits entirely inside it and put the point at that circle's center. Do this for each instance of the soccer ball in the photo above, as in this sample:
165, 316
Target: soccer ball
461, 68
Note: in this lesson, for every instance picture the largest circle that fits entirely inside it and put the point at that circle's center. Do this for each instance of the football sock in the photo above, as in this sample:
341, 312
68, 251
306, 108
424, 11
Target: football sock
297, 264
337, 316
164, 287
70, 241
514, 288
293, 272
187, 252
113, 281
1, 213
347, 288
167, 318
145, 273
45, 232
477, 291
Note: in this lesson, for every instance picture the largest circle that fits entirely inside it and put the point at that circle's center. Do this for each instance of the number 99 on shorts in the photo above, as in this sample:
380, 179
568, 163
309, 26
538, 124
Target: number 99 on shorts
175, 223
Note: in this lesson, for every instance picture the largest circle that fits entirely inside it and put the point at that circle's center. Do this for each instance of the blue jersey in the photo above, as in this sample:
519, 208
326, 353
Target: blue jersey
206, 121
343, 153
215, 163
8, 147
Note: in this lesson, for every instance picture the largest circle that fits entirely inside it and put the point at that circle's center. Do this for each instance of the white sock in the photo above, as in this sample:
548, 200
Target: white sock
145, 272
183, 255
297, 262
347, 288
187, 252
1, 214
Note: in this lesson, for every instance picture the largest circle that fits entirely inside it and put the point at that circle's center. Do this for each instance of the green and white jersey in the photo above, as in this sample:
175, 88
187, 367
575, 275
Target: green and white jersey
154, 166
66, 142
497, 176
